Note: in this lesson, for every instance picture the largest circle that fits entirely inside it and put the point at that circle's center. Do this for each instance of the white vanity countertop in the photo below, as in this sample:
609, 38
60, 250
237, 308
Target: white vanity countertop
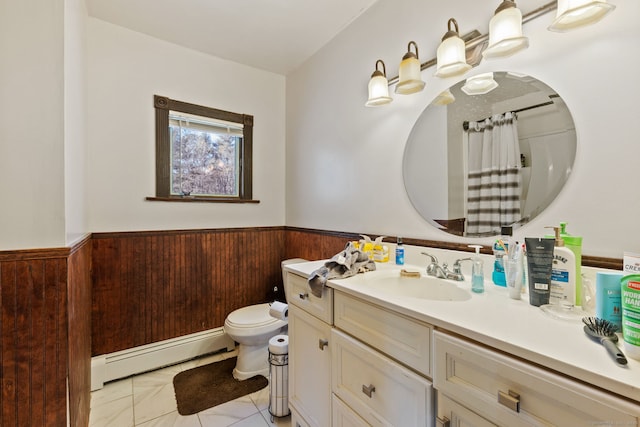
513, 326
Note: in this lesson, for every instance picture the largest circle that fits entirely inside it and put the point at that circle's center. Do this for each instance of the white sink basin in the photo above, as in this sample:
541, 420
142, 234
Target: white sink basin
424, 287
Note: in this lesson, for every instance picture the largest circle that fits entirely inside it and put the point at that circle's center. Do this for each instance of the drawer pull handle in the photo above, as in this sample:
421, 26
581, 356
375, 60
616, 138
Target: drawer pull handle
303, 296
322, 344
511, 400
368, 389
443, 422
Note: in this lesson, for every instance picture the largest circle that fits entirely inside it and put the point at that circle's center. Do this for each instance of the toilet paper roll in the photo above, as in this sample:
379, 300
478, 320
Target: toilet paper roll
279, 310
279, 344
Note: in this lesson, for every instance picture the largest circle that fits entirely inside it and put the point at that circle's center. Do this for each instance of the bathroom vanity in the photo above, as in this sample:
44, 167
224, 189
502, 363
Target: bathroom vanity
363, 355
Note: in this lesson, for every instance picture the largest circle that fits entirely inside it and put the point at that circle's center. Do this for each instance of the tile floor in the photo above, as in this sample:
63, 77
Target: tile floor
148, 400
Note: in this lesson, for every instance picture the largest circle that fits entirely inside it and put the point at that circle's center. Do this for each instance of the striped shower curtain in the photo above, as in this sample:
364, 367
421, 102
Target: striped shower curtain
493, 193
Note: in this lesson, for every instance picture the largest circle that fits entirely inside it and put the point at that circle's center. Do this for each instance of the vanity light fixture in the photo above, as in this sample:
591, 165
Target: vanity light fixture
577, 13
505, 32
378, 87
451, 54
409, 72
444, 98
479, 84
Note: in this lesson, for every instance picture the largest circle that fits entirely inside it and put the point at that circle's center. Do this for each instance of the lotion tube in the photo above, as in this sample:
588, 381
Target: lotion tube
540, 262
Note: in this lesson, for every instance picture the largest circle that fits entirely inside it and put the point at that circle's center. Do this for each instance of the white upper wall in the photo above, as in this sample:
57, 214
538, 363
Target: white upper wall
125, 70
31, 124
75, 119
344, 160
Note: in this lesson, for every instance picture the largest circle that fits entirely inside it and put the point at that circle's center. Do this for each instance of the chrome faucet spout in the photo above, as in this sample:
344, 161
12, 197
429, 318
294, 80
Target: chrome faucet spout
441, 271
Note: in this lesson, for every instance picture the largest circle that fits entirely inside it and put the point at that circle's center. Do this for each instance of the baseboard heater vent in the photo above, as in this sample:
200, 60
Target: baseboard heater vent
121, 364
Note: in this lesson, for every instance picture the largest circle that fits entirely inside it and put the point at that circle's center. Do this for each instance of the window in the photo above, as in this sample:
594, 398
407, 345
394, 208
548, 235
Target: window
202, 154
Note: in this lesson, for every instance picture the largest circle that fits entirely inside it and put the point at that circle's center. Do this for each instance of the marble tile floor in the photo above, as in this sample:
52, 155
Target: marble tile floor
148, 400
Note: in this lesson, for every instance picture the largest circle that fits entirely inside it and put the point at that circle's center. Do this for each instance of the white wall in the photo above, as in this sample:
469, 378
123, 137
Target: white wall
75, 119
31, 124
344, 160
125, 70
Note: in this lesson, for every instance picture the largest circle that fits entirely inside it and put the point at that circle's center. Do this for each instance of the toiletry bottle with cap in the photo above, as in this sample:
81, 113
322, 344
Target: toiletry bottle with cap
574, 243
477, 271
399, 252
500, 248
563, 273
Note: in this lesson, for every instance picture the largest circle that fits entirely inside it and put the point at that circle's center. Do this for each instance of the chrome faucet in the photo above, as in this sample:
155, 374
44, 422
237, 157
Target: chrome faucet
457, 268
441, 271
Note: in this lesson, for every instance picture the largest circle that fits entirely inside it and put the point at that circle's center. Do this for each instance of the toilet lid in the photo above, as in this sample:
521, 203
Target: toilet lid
251, 316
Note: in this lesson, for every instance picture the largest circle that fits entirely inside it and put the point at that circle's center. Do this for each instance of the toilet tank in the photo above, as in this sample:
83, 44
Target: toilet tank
287, 262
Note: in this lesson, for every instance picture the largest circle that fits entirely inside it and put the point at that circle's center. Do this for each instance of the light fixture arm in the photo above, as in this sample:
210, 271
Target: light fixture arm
450, 32
472, 40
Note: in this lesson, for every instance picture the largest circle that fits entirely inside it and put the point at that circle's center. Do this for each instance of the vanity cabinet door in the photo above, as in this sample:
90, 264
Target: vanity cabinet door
309, 367
457, 415
511, 392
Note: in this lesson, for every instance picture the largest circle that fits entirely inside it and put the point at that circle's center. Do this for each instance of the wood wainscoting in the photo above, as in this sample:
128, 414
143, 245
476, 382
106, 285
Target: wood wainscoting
45, 319
156, 285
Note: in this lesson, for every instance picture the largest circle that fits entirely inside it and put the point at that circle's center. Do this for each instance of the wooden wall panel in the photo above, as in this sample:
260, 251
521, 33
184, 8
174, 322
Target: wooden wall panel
79, 333
152, 286
315, 244
33, 350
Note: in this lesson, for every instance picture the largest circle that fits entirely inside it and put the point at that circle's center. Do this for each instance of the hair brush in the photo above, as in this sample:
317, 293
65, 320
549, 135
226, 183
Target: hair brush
604, 332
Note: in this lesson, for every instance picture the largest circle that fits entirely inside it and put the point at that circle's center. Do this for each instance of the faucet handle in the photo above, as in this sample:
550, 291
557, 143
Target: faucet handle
457, 268
434, 260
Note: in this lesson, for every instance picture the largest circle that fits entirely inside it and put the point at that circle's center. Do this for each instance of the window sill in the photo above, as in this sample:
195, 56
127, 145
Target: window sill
200, 199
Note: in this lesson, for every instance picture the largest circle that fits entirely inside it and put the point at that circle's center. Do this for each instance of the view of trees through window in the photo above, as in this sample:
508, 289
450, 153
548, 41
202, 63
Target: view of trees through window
203, 161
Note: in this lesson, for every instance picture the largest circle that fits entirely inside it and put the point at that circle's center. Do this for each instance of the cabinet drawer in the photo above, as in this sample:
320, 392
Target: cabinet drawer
510, 392
457, 415
343, 416
300, 294
404, 339
380, 390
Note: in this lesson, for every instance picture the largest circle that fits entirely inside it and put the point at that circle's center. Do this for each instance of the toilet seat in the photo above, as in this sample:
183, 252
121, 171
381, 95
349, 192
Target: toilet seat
252, 320
251, 316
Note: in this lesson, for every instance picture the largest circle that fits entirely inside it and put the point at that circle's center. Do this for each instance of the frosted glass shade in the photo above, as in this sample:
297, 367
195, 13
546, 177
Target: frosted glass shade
480, 84
505, 34
451, 57
378, 90
410, 80
444, 98
577, 13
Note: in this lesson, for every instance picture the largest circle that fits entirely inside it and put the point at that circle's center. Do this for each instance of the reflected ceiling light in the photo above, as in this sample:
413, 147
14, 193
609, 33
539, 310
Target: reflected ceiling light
378, 87
409, 73
451, 54
576, 13
480, 84
444, 98
505, 32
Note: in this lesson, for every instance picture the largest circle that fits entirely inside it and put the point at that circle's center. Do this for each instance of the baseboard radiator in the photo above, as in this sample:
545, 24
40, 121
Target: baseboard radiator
121, 364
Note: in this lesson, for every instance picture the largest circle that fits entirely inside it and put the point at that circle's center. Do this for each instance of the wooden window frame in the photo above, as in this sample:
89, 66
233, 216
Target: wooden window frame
163, 105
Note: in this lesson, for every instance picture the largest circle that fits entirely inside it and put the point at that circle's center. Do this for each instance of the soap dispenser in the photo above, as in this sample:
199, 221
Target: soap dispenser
477, 271
563, 273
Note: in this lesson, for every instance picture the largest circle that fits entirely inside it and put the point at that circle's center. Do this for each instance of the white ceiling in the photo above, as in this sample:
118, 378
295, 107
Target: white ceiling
273, 35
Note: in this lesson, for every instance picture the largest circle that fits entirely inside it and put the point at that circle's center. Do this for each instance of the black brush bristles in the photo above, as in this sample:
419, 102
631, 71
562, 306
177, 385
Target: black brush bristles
599, 326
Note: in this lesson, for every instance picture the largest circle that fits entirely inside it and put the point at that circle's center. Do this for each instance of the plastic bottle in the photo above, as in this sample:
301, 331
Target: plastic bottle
563, 273
500, 251
630, 297
575, 244
477, 271
399, 252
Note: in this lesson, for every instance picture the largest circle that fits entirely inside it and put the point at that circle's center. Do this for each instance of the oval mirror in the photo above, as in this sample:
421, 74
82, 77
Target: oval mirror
489, 152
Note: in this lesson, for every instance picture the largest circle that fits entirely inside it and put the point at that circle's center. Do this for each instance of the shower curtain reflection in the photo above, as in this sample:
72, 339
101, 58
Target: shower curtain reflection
493, 192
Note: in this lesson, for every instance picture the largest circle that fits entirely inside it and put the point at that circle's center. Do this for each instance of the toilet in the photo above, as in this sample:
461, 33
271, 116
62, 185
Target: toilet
252, 327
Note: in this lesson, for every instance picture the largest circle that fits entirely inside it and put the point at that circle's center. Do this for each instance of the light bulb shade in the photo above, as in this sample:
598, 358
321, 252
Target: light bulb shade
378, 88
480, 84
409, 79
577, 13
505, 32
444, 98
451, 57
